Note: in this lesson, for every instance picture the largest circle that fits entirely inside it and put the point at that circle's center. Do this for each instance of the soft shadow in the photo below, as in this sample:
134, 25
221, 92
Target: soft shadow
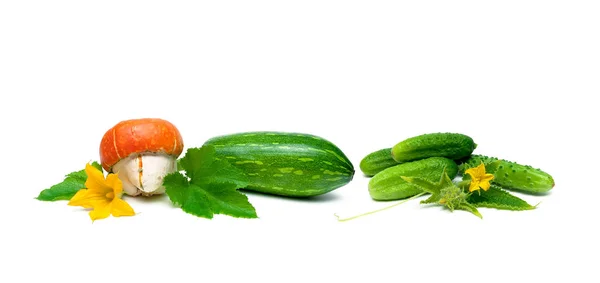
327, 197
152, 198
162, 199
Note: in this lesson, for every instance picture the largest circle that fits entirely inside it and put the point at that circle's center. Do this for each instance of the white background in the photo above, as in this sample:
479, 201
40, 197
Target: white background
517, 76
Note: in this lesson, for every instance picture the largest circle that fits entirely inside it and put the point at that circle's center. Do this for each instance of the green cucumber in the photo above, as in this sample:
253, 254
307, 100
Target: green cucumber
287, 164
389, 185
376, 161
511, 175
449, 145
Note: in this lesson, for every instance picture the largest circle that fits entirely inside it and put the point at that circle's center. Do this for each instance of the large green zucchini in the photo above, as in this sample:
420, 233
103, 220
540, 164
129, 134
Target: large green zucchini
288, 164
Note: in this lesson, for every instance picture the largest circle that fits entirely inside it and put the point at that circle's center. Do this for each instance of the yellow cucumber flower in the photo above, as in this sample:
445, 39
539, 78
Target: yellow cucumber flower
102, 195
479, 179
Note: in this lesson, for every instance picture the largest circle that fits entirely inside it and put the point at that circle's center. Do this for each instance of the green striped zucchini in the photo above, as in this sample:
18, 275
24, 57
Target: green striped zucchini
287, 164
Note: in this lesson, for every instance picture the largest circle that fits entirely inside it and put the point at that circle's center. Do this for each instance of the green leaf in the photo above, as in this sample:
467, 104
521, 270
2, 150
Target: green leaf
427, 187
211, 187
444, 192
179, 166
225, 199
184, 195
210, 199
498, 198
61, 191
470, 208
176, 187
202, 168
66, 189
435, 189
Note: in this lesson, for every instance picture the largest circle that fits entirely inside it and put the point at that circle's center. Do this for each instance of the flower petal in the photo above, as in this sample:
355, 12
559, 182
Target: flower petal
479, 179
476, 172
473, 186
471, 171
485, 185
120, 207
487, 177
100, 211
80, 199
480, 169
113, 181
88, 199
95, 180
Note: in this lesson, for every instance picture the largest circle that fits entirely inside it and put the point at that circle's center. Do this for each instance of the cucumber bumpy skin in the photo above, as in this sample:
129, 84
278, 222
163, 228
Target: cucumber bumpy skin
449, 145
389, 185
287, 164
377, 161
511, 175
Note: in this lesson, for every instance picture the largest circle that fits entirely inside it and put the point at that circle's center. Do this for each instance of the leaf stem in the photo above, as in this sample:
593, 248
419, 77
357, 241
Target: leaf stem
378, 210
464, 184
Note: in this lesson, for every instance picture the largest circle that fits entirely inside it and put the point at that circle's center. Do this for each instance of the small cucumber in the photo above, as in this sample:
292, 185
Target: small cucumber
376, 161
511, 175
287, 164
449, 145
389, 185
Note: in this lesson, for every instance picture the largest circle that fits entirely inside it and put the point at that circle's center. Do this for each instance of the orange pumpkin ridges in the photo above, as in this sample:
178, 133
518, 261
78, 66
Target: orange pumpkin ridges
147, 135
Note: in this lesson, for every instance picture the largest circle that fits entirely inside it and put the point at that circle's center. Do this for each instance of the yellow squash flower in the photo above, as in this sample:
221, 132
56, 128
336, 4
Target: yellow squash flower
479, 179
102, 195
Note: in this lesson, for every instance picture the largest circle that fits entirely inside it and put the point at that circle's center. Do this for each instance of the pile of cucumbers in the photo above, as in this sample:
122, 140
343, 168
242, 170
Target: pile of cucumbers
427, 156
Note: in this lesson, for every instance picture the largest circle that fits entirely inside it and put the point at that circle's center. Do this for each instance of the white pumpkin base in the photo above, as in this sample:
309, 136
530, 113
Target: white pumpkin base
144, 173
